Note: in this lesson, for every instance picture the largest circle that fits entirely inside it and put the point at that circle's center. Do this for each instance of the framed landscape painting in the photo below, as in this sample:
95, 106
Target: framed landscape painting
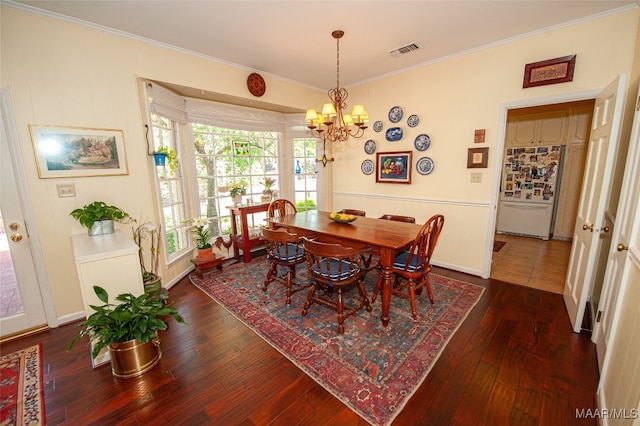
393, 167
78, 151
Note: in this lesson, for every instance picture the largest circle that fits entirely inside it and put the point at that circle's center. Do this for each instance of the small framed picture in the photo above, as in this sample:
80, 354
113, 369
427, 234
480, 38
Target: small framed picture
552, 71
477, 158
78, 151
393, 167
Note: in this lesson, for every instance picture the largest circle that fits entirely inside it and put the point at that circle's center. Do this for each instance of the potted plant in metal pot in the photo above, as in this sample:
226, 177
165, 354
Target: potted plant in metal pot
128, 329
98, 217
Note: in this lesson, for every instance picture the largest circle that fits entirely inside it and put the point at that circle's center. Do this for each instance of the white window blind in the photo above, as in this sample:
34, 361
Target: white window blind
166, 103
234, 117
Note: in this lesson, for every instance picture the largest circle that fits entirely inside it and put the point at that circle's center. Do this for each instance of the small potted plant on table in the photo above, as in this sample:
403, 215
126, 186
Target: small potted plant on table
267, 194
237, 190
98, 217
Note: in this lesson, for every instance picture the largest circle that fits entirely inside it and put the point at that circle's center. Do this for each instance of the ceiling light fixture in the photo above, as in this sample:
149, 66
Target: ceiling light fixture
332, 124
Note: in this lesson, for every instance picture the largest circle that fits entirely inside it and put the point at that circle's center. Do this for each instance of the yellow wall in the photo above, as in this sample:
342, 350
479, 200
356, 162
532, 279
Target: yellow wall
455, 97
64, 74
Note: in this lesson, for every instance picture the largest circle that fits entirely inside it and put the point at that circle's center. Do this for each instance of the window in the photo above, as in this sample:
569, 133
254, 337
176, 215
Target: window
170, 187
225, 156
306, 178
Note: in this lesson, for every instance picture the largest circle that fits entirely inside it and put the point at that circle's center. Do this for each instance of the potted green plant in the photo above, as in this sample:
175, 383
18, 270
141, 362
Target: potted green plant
201, 236
237, 190
165, 156
128, 329
98, 217
147, 235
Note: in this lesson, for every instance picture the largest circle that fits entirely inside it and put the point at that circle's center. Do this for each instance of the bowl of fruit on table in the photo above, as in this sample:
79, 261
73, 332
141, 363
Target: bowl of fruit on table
342, 217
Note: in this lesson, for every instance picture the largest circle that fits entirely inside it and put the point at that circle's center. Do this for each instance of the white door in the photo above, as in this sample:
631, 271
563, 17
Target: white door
16, 260
601, 155
621, 239
619, 387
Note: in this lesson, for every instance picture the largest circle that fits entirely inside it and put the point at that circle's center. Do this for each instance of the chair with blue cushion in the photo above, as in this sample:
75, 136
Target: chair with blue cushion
335, 268
411, 268
283, 249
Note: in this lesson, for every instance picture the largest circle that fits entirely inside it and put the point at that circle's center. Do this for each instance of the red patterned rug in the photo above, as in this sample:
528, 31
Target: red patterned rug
22, 396
374, 370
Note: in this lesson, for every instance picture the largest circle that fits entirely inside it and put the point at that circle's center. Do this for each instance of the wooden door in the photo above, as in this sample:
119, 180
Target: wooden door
601, 155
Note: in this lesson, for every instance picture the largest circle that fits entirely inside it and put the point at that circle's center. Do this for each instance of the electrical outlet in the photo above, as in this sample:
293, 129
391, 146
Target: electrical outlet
66, 190
476, 177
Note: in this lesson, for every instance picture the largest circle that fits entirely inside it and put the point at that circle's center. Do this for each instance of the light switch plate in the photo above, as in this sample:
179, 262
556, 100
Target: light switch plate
66, 190
476, 178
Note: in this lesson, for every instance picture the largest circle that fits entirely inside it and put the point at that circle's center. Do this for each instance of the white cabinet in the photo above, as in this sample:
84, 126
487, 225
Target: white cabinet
111, 262
540, 129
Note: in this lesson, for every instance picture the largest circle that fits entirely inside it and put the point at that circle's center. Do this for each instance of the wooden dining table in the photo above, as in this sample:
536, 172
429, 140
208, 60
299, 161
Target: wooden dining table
386, 238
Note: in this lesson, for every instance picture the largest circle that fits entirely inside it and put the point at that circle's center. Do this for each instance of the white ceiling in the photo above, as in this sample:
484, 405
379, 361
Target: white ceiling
292, 39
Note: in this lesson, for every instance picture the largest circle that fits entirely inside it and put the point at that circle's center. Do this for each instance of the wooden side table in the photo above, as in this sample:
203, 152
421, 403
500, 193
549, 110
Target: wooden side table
202, 264
243, 241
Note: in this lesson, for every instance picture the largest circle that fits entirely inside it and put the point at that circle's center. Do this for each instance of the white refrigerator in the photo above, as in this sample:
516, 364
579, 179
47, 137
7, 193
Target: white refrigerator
530, 183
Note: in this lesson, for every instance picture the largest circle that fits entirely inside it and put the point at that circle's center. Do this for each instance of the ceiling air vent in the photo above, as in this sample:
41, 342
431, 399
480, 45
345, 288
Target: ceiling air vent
404, 49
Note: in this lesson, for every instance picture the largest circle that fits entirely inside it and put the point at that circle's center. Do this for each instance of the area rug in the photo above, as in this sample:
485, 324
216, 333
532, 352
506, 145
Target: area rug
22, 396
497, 245
372, 369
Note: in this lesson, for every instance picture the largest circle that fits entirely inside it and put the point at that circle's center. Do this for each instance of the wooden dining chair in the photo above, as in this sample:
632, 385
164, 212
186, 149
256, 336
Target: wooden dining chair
411, 268
398, 218
283, 249
353, 212
334, 268
281, 207
370, 263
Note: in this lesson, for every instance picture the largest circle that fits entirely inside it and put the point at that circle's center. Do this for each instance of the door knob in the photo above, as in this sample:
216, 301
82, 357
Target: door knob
605, 229
622, 247
14, 226
16, 237
585, 227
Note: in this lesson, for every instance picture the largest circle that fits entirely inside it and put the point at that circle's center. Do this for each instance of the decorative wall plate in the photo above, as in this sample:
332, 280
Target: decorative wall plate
377, 126
413, 120
422, 142
394, 134
370, 146
367, 167
256, 84
395, 114
424, 165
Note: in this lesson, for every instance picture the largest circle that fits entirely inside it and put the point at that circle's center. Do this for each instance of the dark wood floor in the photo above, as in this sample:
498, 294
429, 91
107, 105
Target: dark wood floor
514, 361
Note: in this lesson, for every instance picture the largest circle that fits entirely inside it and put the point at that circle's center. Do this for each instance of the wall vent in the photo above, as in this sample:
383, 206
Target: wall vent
404, 49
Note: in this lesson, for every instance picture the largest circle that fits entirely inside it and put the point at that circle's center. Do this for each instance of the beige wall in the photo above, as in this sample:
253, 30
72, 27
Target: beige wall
64, 74
455, 97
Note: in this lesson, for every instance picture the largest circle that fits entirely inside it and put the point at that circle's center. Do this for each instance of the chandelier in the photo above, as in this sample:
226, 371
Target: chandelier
332, 124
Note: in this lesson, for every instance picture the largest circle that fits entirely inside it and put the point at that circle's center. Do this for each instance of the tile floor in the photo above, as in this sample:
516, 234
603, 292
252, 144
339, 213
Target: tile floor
10, 302
532, 262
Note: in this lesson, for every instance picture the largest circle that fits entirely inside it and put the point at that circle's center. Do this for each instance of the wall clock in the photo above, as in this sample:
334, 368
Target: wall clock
256, 84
